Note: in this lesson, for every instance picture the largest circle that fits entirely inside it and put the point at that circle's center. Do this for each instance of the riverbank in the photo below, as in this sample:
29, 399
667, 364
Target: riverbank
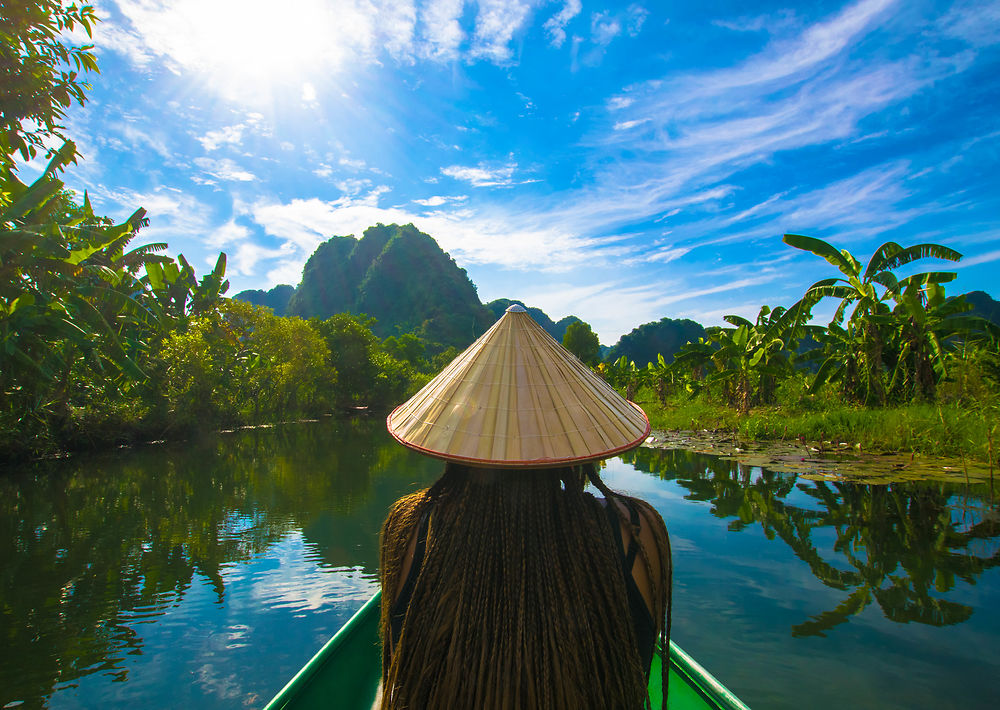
829, 460
964, 434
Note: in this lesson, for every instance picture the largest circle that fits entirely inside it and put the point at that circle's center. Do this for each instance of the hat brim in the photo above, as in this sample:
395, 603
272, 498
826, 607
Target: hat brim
525, 463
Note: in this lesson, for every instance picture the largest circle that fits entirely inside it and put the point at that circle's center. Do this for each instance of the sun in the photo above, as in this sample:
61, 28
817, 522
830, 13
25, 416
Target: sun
241, 45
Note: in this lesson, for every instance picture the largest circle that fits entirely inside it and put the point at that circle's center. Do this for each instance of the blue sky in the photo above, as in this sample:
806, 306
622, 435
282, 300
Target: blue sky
620, 162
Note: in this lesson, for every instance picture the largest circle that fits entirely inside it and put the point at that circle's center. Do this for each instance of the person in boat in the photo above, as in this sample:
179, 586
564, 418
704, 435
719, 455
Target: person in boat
506, 584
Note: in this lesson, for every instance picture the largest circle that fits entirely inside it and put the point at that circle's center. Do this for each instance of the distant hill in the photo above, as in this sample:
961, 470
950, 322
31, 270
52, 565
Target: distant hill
556, 330
664, 337
398, 275
984, 306
276, 299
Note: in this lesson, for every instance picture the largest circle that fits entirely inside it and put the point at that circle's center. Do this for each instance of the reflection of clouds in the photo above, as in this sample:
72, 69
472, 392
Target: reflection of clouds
297, 581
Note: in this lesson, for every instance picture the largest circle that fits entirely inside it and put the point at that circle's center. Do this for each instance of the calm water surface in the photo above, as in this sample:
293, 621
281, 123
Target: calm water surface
204, 574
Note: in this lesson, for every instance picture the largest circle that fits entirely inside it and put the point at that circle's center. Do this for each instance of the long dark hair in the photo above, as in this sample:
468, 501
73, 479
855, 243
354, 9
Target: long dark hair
520, 601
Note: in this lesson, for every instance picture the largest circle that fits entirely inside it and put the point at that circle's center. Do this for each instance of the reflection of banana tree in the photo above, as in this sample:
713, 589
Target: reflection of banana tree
900, 544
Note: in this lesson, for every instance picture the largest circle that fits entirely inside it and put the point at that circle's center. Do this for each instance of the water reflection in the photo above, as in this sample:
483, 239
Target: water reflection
901, 546
92, 550
205, 574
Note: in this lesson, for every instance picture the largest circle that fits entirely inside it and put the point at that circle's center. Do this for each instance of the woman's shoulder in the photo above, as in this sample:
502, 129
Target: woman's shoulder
403, 516
648, 515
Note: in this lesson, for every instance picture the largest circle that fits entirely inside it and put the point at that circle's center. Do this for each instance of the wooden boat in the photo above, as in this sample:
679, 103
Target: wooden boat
345, 673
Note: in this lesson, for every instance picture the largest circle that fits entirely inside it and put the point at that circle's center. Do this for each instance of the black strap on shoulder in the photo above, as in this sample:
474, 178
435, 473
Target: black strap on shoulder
628, 556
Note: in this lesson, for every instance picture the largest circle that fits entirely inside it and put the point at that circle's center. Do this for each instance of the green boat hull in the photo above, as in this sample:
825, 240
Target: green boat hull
345, 673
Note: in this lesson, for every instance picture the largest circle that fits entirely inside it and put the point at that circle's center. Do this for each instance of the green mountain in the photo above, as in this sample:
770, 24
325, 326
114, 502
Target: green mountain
664, 337
983, 305
556, 330
398, 275
276, 299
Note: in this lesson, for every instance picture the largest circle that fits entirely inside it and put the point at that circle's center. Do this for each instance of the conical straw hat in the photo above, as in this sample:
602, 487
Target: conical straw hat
517, 398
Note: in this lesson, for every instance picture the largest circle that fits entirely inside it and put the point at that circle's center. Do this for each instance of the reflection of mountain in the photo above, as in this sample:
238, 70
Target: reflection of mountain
900, 546
91, 550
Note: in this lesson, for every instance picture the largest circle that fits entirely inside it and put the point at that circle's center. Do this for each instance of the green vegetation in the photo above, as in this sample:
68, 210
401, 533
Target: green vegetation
40, 73
582, 342
102, 342
556, 329
664, 337
908, 370
399, 276
276, 299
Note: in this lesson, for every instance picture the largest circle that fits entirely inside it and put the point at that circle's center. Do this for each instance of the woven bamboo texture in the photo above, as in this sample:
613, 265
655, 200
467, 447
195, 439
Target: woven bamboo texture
516, 397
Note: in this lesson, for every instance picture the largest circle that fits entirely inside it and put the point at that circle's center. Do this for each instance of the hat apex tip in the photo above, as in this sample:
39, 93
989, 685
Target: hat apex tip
516, 308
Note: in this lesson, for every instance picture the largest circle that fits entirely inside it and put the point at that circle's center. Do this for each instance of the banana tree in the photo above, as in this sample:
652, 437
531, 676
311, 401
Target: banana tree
623, 374
46, 319
866, 332
927, 326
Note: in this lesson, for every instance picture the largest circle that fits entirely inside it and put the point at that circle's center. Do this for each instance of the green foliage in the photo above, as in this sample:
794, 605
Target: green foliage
40, 72
367, 375
276, 299
894, 342
664, 337
556, 330
408, 348
582, 342
241, 362
400, 277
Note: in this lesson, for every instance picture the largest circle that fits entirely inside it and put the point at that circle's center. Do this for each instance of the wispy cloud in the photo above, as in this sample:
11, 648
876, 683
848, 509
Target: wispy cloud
483, 175
442, 33
987, 258
226, 35
224, 169
496, 24
438, 200
555, 26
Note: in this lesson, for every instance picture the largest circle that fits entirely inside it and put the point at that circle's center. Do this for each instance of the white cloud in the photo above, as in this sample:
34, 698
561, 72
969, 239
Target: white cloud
625, 125
555, 26
224, 169
482, 175
308, 93
442, 32
230, 135
496, 24
228, 233
438, 200
616, 103
635, 19
603, 28
223, 38
351, 163
986, 258
247, 255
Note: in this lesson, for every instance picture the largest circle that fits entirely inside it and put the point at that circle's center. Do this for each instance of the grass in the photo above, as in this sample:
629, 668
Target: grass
950, 429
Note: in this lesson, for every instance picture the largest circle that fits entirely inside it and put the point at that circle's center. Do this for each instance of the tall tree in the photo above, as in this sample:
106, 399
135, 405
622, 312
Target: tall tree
582, 342
40, 72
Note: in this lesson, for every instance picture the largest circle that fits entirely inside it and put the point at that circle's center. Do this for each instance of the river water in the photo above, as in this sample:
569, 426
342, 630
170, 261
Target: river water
203, 574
